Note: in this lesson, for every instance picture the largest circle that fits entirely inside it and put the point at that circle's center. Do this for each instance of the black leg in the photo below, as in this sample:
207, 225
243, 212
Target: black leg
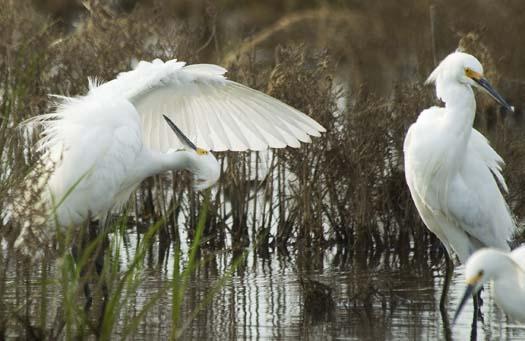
479, 305
99, 267
76, 251
449, 271
474, 327
478, 315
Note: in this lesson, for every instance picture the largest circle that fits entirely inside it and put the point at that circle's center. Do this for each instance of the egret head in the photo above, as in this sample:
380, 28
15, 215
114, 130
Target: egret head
463, 68
483, 265
205, 168
201, 163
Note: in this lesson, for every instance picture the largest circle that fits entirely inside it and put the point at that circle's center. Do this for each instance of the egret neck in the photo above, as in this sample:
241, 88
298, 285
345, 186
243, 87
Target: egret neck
163, 162
460, 110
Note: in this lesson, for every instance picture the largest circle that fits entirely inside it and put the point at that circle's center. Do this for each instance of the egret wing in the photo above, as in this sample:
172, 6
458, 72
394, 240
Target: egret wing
474, 198
422, 162
214, 112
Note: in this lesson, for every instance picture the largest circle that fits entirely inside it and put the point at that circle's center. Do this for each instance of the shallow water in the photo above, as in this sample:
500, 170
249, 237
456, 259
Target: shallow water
267, 302
264, 300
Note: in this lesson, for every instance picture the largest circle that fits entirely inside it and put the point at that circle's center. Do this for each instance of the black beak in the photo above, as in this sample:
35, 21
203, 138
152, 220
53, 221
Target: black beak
466, 296
485, 85
183, 139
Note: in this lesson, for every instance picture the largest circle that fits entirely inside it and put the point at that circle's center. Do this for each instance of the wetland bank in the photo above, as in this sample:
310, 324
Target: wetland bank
321, 242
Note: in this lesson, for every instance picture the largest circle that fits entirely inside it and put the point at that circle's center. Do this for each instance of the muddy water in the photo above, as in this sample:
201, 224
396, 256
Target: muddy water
277, 297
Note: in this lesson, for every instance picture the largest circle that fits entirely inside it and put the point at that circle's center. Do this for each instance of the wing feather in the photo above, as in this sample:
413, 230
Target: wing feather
491, 158
216, 113
292, 128
272, 134
475, 199
260, 138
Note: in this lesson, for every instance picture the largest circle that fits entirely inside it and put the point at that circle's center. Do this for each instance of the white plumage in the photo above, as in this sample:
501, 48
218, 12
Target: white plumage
215, 113
450, 168
103, 144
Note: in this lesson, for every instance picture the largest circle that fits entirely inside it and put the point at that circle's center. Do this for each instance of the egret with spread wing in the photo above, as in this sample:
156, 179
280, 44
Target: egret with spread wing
451, 170
104, 144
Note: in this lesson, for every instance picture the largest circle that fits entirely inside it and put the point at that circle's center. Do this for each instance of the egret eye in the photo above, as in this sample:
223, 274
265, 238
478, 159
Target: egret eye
472, 74
201, 151
480, 273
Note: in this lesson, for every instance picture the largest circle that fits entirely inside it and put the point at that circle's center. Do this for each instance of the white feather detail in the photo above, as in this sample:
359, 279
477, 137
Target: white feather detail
215, 113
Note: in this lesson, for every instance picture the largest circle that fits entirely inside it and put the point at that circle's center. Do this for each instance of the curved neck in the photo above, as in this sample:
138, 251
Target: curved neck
162, 162
456, 123
151, 162
460, 105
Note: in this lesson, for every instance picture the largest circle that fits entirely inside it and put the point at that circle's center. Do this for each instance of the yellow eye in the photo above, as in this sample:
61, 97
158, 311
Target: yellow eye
201, 151
475, 279
472, 74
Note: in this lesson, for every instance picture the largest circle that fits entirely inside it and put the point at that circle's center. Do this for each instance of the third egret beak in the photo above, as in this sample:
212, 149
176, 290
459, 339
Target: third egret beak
466, 295
471, 285
484, 84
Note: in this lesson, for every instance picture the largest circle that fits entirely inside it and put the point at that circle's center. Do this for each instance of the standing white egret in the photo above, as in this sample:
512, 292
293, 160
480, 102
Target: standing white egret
507, 273
104, 144
450, 168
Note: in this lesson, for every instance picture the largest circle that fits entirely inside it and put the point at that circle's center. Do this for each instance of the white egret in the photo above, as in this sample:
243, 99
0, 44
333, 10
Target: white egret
104, 144
450, 168
507, 273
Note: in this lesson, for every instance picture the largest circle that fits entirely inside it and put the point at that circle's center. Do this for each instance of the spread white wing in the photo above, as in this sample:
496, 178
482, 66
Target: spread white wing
215, 113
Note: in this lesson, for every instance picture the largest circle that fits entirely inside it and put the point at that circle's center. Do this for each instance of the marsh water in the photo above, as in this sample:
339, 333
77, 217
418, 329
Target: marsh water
277, 296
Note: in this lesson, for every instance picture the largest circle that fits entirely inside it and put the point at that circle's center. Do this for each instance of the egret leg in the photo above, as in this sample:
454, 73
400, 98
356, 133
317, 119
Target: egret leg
478, 316
99, 254
478, 303
474, 327
449, 271
76, 250
447, 331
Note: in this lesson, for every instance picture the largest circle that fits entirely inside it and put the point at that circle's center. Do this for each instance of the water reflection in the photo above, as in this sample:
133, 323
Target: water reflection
267, 298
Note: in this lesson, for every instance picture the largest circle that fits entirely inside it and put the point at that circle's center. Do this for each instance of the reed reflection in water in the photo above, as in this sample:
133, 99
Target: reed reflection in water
264, 300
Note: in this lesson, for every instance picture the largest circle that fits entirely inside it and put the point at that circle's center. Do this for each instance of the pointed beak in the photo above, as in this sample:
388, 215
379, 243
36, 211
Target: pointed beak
466, 296
180, 135
485, 85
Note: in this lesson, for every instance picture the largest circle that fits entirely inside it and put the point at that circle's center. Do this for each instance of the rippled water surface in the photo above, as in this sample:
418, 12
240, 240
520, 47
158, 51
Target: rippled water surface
278, 297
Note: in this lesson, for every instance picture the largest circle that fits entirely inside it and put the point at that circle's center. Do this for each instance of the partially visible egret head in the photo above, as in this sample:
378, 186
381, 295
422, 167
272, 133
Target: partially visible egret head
205, 168
463, 68
482, 266
202, 164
